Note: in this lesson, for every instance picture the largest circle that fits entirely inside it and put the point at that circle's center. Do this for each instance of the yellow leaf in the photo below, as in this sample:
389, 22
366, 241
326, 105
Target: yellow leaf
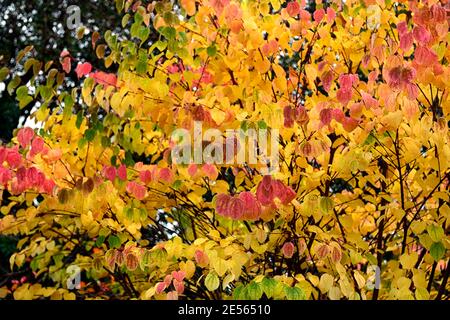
221, 266
408, 260
212, 281
334, 293
226, 281
326, 282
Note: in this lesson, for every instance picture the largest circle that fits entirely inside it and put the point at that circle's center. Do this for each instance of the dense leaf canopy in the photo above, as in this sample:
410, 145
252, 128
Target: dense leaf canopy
355, 96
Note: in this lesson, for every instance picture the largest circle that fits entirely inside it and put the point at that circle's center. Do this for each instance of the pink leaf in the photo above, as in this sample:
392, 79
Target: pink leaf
160, 287
172, 295
64, 53
425, 56
211, 171
222, 202
264, 192
327, 80
166, 175
201, 258
37, 146
331, 15
178, 275
66, 64
252, 208
192, 169
236, 208
145, 176
137, 190
179, 286
402, 27
25, 136
318, 15
288, 249
406, 41
110, 173
325, 116
422, 35
122, 172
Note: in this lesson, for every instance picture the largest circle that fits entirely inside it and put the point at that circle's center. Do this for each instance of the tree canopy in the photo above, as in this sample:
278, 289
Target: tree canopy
346, 198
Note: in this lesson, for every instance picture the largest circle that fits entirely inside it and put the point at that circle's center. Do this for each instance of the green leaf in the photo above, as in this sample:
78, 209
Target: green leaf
22, 92
294, 293
212, 281
106, 142
436, 232
141, 66
168, 32
326, 205
268, 285
244, 126
82, 143
437, 251
90, 134
25, 101
262, 124
45, 92
211, 50
160, 45
125, 20
3, 73
254, 291
128, 161
143, 33
13, 85
119, 5
79, 119
99, 241
113, 241
239, 292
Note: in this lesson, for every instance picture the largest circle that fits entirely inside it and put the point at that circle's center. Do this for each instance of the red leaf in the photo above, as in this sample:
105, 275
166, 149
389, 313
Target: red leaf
104, 78
110, 173
264, 192
83, 69
122, 172
5, 176
13, 158
293, 8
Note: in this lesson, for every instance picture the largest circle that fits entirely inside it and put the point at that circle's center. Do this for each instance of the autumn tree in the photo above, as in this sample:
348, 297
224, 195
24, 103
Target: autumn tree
353, 205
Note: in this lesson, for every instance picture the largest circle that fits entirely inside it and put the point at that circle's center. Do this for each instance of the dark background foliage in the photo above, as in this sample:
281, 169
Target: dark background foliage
42, 23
